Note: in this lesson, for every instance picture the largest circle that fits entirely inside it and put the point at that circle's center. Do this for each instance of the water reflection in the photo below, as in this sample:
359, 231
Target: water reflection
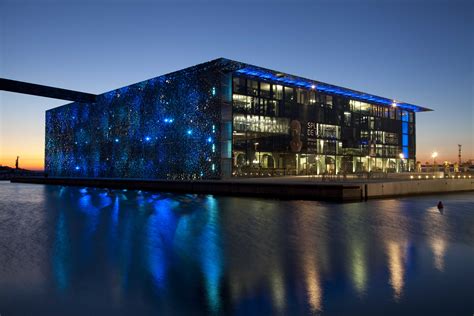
61, 253
211, 257
160, 230
356, 241
436, 226
311, 248
359, 266
439, 246
396, 252
191, 254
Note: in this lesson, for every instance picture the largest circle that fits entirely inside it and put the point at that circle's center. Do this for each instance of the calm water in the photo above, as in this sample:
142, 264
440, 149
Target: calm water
67, 250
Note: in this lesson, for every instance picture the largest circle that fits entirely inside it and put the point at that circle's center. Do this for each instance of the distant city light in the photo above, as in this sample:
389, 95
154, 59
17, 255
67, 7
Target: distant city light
116, 140
209, 139
434, 155
77, 168
189, 132
402, 156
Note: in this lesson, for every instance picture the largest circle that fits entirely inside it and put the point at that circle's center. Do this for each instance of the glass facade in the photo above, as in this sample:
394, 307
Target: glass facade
225, 118
287, 130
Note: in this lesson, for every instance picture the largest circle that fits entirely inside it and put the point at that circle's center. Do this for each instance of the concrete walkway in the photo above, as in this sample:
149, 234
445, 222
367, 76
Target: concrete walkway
290, 187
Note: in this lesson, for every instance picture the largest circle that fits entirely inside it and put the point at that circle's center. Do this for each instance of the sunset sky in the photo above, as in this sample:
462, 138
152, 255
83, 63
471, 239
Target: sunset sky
419, 52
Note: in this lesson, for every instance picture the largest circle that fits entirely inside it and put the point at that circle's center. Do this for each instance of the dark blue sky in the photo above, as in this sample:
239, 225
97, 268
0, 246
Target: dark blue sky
415, 51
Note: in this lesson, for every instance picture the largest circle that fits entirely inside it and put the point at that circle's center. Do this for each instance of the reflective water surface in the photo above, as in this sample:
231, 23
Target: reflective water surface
81, 251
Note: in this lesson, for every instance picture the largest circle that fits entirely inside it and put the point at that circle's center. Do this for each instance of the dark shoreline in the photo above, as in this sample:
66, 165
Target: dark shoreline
294, 191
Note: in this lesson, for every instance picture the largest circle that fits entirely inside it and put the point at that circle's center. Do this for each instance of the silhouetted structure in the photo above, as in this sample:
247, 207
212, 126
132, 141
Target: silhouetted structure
45, 91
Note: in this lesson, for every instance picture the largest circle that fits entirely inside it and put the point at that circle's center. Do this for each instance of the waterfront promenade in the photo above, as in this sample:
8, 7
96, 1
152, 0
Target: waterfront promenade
291, 187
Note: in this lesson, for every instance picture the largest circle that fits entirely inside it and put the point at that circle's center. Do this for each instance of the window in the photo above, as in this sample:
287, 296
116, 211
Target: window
271, 108
355, 106
347, 118
312, 97
371, 122
252, 87
260, 124
260, 105
239, 85
277, 92
242, 103
365, 108
302, 96
391, 138
289, 94
329, 101
364, 121
328, 131
392, 113
264, 89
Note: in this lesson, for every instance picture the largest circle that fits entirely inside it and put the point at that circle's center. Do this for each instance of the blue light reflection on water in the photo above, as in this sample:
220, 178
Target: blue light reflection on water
211, 257
123, 252
161, 227
61, 253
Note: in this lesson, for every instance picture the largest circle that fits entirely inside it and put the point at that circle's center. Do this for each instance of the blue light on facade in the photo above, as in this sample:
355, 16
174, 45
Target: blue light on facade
110, 133
330, 89
405, 152
209, 139
405, 127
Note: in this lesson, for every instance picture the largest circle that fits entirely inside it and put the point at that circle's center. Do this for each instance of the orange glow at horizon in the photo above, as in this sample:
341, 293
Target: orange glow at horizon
22, 128
30, 149
28, 160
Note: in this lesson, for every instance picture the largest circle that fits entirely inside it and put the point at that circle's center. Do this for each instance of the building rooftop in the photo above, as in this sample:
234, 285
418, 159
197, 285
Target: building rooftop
291, 80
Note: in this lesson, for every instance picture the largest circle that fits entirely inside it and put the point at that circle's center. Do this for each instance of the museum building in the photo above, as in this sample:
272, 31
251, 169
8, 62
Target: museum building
224, 119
